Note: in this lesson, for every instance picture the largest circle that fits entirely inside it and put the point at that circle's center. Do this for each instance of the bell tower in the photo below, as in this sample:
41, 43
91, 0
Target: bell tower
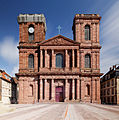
32, 27
86, 28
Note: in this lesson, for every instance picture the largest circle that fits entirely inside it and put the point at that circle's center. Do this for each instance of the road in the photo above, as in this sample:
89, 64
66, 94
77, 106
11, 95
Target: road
62, 111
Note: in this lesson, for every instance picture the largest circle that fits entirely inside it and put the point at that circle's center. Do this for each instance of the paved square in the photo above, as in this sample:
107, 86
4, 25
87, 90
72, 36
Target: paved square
62, 111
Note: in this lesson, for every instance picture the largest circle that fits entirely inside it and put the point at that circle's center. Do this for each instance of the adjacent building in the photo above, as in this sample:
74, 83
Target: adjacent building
5, 87
8, 88
110, 86
59, 69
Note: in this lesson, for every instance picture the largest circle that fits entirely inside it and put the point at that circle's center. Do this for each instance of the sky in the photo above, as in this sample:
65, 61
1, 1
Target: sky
58, 12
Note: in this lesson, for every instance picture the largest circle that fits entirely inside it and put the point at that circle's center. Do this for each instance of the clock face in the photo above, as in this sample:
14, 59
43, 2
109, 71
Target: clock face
31, 30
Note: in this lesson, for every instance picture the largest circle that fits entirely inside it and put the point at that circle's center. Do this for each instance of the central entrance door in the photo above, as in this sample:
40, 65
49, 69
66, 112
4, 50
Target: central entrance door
59, 94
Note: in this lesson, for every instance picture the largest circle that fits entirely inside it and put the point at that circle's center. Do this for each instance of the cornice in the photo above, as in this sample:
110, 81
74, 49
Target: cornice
90, 47
27, 47
59, 73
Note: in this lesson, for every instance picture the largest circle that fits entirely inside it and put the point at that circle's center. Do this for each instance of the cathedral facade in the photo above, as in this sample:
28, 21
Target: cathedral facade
59, 69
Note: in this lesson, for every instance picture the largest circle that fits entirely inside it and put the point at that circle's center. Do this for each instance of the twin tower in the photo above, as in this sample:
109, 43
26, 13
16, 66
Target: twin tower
59, 69
82, 23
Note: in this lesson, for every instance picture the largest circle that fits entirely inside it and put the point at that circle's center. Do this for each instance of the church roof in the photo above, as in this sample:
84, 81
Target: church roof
59, 40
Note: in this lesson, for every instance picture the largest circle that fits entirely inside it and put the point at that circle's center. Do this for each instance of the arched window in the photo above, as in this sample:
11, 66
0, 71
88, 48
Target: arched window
87, 32
87, 61
31, 32
31, 61
59, 60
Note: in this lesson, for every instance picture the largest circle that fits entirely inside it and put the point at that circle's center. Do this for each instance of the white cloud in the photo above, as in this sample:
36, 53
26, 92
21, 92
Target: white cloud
110, 37
9, 55
8, 49
15, 70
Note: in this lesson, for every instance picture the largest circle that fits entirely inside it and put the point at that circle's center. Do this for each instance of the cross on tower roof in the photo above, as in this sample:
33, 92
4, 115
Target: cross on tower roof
59, 28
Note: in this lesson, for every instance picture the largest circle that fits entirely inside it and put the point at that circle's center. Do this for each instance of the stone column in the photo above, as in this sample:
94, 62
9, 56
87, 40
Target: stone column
67, 59
53, 90
36, 91
77, 31
41, 90
82, 89
93, 90
46, 90
82, 59
46, 58
98, 91
78, 91
66, 90
41, 58
98, 32
73, 89
98, 60
73, 60
78, 58
53, 59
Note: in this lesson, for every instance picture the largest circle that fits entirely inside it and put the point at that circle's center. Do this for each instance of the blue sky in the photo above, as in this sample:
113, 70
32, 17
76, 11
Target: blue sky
58, 12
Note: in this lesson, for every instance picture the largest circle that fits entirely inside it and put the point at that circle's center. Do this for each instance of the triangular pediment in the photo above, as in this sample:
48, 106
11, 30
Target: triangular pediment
58, 40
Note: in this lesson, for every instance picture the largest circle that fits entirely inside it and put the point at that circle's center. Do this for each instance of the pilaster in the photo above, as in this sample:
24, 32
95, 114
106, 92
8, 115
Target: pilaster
41, 58
53, 90
41, 90
73, 89
67, 59
66, 90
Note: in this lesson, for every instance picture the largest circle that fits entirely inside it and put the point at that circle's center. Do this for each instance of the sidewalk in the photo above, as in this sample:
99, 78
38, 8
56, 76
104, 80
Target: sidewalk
6, 108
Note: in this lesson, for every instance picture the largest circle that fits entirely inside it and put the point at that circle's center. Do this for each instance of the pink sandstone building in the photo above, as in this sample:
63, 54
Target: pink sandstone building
59, 69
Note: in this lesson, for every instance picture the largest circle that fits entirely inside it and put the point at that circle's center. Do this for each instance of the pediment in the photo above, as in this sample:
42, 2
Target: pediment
58, 40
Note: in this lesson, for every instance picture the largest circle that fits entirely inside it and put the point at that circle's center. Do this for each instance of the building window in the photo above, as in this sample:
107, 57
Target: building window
31, 61
87, 61
108, 91
59, 60
31, 90
31, 32
112, 82
104, 92
112, 91
108, 84
87, 32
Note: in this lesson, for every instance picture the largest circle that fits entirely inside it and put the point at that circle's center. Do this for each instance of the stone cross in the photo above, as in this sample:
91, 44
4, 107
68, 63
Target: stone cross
59, 28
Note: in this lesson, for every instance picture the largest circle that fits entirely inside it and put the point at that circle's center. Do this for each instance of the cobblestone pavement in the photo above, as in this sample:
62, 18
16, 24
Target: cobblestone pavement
62, 111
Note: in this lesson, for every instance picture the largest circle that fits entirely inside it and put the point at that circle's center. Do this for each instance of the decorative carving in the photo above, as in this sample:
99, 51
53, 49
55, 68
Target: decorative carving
58, 42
